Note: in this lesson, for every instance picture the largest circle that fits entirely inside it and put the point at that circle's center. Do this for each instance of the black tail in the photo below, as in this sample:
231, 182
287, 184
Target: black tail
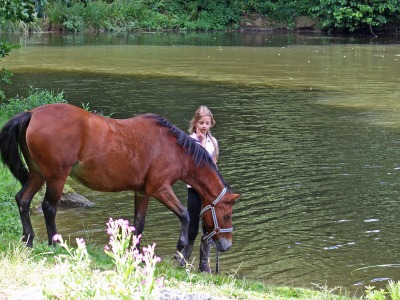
11, 136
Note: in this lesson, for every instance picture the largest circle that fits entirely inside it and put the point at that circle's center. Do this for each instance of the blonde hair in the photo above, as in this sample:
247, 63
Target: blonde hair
203, 111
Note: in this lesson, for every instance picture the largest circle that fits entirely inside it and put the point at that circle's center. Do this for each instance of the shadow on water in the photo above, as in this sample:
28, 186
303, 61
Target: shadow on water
317, 160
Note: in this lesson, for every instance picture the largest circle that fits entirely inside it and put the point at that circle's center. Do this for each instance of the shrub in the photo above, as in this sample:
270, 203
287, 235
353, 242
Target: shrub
355, 15
132, 278
35, 98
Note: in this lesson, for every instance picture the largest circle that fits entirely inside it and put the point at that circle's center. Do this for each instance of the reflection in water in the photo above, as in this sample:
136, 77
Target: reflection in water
307, 129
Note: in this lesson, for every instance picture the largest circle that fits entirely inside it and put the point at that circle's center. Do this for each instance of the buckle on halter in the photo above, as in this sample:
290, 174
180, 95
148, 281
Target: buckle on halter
217, 230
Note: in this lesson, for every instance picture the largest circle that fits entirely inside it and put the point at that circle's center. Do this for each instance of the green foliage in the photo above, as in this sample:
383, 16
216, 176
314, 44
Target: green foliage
132, 277
20, 12
373, 294
94, 16
394, 289
12, 11
17, 10
355, 15
5, 49
128, 15
281, 11
35, 98
9, 216
200, 14
5, 75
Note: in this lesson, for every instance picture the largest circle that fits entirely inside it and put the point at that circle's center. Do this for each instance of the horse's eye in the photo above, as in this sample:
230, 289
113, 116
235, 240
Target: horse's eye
227, 217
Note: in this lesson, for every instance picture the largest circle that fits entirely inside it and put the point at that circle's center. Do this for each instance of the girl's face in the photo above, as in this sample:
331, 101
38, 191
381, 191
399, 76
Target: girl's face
203, 124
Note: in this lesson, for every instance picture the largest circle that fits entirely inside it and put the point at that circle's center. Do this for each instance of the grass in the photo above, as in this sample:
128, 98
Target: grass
31, 269
41, 271
36, 97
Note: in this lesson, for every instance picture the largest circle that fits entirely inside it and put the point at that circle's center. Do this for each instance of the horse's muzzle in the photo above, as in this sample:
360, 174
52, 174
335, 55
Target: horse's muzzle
222, 244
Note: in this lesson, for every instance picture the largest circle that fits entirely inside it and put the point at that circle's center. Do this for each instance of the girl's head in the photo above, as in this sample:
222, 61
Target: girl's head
202, 120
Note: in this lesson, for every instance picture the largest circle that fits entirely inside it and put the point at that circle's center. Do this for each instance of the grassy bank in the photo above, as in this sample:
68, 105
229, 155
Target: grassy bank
53, 273
83, 270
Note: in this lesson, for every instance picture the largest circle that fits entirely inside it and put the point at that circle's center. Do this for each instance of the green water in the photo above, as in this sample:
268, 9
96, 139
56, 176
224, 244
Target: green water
308, 129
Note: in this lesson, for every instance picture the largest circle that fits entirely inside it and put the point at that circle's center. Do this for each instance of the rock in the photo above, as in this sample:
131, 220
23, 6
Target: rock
254, 22
69, 198
304, 22
173, 294
72, 199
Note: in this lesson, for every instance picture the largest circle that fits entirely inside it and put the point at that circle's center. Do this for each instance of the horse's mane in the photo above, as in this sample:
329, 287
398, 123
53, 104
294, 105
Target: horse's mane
200, 156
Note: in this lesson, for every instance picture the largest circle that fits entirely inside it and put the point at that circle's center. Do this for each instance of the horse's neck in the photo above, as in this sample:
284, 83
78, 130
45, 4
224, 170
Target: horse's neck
208, 185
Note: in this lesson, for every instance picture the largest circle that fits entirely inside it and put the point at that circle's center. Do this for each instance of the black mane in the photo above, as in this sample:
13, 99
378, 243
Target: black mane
200, 156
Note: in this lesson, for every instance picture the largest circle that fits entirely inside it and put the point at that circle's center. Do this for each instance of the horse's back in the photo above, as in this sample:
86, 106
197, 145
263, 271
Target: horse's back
102, 153
55, 130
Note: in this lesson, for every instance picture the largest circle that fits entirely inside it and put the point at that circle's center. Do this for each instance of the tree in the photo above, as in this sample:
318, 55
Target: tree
355, 15
10, 11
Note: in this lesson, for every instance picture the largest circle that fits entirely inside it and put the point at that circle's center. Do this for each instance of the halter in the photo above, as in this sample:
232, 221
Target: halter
216, 229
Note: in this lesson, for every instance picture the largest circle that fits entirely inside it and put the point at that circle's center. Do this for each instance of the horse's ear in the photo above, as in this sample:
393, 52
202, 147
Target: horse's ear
233, 198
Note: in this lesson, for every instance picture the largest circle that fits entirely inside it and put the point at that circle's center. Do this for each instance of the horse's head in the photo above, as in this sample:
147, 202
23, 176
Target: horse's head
217, 220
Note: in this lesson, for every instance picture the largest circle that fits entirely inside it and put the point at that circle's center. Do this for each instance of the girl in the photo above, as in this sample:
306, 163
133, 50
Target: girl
199, 130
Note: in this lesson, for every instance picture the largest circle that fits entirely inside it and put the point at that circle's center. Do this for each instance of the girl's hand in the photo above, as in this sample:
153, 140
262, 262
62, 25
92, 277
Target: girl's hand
201, 137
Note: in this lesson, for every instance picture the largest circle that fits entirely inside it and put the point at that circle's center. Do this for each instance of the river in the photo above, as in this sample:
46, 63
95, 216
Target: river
308, 129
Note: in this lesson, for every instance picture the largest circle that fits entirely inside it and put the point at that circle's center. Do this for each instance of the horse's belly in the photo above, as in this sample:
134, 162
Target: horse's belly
105, 179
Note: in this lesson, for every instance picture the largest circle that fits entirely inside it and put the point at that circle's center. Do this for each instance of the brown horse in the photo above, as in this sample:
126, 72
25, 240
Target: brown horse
145, 154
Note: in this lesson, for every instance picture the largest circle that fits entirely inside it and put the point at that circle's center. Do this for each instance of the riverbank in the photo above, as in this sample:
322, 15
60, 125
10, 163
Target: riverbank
49, 273
131, 16
258, 22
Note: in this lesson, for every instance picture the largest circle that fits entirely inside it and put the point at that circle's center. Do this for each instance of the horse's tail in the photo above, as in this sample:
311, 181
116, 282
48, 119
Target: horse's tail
12, 135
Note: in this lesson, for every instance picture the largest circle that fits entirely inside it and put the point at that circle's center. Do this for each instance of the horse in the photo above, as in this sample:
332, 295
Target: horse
145, 154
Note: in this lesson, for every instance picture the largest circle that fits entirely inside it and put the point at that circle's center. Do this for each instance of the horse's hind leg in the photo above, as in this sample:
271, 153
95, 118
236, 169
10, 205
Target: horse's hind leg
53, 194
24, 197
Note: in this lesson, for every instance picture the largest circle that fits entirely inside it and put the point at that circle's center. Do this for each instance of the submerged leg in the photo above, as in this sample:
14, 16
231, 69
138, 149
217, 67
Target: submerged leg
24, 198
167, 197
53, 194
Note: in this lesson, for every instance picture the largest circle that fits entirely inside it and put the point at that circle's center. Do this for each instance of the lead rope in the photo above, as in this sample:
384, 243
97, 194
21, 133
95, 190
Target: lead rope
217, 263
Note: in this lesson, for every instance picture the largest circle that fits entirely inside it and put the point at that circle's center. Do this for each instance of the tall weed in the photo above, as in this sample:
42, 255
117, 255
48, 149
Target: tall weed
96, 16
132, 277
56, 15
35, 98
394, 289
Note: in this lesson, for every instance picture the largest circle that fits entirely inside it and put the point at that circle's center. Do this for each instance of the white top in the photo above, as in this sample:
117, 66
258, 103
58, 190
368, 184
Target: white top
209, 143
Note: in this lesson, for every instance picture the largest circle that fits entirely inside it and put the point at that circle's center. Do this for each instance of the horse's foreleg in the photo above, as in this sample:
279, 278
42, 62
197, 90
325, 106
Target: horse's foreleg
141, 205
53, 194
167, 197
24, 198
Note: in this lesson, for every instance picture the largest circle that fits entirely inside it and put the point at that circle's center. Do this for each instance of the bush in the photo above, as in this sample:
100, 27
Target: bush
200, 14
94, 16
35, 98
357, 15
